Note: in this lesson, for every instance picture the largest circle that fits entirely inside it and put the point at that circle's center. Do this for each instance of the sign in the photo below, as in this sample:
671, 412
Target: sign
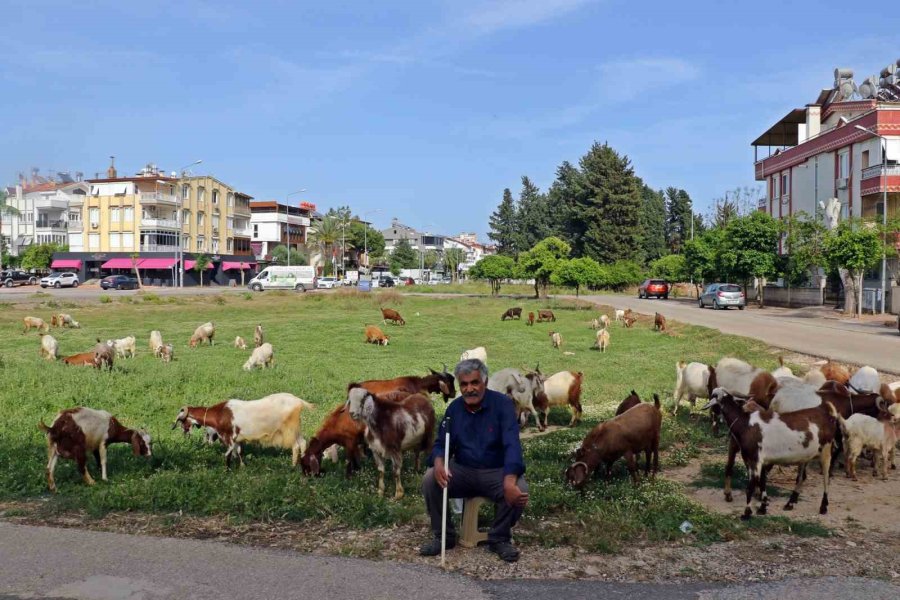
308, 205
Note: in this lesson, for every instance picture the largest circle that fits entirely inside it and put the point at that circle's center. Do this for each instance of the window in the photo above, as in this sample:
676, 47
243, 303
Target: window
229, 222
844, 165
93, 241
215, 244
200, 242
127, 240
115, 214
75, 240
230, 200
255, 230
128, 214
215, 196
186, 242
115, 240
185, 192
865, 159
75, 217
785, 185
201, 195
94, 216
229, 246
200, 219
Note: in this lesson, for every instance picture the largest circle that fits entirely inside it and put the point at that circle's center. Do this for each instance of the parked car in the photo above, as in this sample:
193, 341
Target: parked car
297, 277
326, 283
59, 280
386, 282
13, 278
654, 287
722, 295
119, 282
408, 281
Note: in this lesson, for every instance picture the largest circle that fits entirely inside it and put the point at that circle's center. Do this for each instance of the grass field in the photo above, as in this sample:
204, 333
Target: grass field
319, 349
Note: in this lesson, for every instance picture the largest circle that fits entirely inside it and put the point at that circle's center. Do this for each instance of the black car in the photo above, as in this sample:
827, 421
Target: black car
386, 282
13, 278
119, 282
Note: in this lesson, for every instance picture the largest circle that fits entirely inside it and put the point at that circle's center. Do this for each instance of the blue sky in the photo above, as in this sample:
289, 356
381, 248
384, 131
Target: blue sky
423, 110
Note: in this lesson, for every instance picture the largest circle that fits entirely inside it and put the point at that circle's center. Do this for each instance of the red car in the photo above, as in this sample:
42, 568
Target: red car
654, 287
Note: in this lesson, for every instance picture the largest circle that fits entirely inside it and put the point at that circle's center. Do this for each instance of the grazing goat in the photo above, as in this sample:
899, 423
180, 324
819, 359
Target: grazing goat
545, 315
124, 347
480, 353
659, 322
35, 323
389, 314
766, 438
530, 319
203, 333
631, 401
691, 379
393, 426
374, 335
512, 313
626, 435
523, 388
743, 380
620, 314
155, 340
77, 431
49, 347
104, 355
54, 321
240, 343
561, 389
603, 339
862, 431
556, 339
258, 338
604, 321
629, 321
338, 428
85, 359
64, 320
433, 383
166, 352
866, 379
272, 421
595, 324
263, 357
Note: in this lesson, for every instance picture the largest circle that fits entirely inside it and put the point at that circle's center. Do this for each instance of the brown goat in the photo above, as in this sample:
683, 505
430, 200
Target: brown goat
375, 335
433, 383
512, 313
634, 431
338, 428
530, 319
659, 322
835, 372
630, 402
85, 359
629, 321
545, 315
389, 314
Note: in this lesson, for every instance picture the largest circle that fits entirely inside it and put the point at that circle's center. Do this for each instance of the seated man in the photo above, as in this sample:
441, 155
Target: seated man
485, 460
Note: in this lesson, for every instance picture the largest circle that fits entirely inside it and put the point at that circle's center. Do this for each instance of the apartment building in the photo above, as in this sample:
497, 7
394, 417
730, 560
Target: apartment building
276, 224
46, 212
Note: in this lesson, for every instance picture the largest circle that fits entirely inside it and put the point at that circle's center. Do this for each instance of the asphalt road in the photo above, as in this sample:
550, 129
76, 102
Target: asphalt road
71, 564
801, 330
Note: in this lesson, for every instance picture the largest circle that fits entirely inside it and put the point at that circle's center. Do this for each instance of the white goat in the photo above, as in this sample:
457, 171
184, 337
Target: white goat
603, 339
124, 347
480, 353
65, 320
604, 320
862, 431
155, 340
240, 343
49, 347
264, 357
203, 333
866, 379
793, 394
692, 380
523, 388
620, 314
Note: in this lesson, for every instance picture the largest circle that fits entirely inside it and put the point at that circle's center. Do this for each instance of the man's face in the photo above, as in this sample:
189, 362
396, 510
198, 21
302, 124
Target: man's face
472, 387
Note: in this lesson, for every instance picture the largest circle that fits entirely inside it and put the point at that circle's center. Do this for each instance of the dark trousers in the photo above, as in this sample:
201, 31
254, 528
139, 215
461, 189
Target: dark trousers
467, 482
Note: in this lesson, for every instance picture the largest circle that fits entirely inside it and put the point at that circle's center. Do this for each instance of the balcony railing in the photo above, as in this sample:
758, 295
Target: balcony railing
158, 248
164, 223
51, 224
876, 171
53, 202
243, 232
158, 198
76, 226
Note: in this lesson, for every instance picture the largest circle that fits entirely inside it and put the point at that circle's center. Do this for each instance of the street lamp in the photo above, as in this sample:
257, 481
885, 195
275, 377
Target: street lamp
884, 210
366, 236
179, 253
288, 219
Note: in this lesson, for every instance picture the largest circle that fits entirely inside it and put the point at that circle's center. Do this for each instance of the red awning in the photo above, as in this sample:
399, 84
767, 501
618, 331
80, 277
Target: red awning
226, 265
189, 264
157, 263
118, 263
65, 263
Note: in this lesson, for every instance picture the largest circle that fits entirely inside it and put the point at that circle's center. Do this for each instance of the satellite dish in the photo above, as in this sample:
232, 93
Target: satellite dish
869, 87
847, 89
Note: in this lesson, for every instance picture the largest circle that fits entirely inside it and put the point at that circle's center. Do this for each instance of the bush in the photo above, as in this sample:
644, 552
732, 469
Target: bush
104, 299
671, 268
248, 295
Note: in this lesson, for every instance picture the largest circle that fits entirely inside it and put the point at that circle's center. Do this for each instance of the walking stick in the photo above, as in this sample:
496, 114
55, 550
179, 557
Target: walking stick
446, 492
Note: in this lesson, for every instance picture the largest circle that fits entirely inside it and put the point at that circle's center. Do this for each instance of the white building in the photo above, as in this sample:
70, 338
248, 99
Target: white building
47, 213
275, 224
474, 251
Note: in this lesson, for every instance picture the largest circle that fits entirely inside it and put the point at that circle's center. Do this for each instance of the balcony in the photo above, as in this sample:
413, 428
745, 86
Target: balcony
160, 223
157, 198
158, 248
76, 226
58, 202
42, 224
877, 171
243, 210
243, 232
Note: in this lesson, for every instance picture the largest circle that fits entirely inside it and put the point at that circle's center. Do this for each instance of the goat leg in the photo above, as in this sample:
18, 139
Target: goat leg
752, 482
729, 467
763, 494
825, 458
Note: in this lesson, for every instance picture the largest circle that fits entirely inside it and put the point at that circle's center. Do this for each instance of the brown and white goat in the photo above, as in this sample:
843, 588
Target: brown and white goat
374, 335
258, 338
240, 343
629, 321
77, 431
203, 333
339, 428
766, 438
659, 322
393, 427
743, 380
433, 383
545, 315
862, 431
389, 314
561, 389
530, 319
34, 323
633, 431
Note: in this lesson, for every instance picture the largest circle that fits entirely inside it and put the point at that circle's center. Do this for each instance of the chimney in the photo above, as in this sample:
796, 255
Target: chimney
813, 122
111, 171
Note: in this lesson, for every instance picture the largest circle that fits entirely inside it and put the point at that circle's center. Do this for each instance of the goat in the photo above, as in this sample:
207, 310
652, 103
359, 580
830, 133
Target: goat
392, 427
783, 372
560, 389
620, 314
512, 313
691, 379
203, 333
480, 353
166, 352
629, 321
54, 322
793, 394
258, 338
64, 320
49, 347
659, 322
272, 421
556, 339
240, 343
433, 383
155, 340
389, 314
522, 388
124, 347
604, 321
545, 315
104, 355
86, 359
530, 319
626, 435
76, 431
865, 379
603, 339
35, 323
595, 324
631, 401
263, 357
374, 335
338, 428
743, 380
830, 371
766, 438
862, 431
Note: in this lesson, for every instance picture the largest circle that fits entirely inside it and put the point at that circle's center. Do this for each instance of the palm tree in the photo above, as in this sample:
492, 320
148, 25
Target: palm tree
5, 209
324, 236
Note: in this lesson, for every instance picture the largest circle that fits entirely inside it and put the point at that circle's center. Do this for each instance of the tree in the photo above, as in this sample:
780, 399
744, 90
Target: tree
361, 236
577, 273
653, 223
430, 260
854, 246
137, 272
701, 258
532, 216
453, 257
679, 213
280, 256
804, 240
751, 245
495, 269
324, 237
403, 257
200, 264
672, 268
541, 261
39, 256
5, 209
621, 274
504, 227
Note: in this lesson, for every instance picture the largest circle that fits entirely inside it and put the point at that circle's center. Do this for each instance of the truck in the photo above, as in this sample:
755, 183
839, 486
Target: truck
299, 278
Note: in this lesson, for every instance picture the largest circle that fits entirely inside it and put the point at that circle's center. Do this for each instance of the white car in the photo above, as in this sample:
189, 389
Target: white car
59, 280
327, 283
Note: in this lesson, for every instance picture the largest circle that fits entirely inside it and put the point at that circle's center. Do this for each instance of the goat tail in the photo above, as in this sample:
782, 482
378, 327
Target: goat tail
837, 416
656, 400
43, 427
781, 361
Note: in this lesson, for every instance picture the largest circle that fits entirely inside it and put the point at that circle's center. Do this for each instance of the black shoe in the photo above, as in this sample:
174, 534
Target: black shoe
433, 548
504, 550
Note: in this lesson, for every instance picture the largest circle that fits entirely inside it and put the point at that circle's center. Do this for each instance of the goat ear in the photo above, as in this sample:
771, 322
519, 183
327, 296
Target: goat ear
444, 389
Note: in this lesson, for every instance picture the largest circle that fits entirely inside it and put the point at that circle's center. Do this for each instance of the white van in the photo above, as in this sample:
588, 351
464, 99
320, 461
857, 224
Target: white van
300, 278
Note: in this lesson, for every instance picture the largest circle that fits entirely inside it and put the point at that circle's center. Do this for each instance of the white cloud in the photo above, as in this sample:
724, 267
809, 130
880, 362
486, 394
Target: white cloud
497, 15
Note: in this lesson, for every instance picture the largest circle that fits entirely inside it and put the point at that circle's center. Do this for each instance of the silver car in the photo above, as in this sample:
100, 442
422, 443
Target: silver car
723, 295
58, 280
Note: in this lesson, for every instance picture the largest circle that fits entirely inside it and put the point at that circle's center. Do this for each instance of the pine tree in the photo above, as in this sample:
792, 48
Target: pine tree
678, 219
403, 256
653, 223
532, 216
504, 227
563, 199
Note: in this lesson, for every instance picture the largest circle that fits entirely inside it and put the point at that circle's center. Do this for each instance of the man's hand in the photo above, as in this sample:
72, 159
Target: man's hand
511, 492
441, 475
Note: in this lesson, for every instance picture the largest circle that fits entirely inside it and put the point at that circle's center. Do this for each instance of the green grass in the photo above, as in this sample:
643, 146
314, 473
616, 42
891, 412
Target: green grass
319, 348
